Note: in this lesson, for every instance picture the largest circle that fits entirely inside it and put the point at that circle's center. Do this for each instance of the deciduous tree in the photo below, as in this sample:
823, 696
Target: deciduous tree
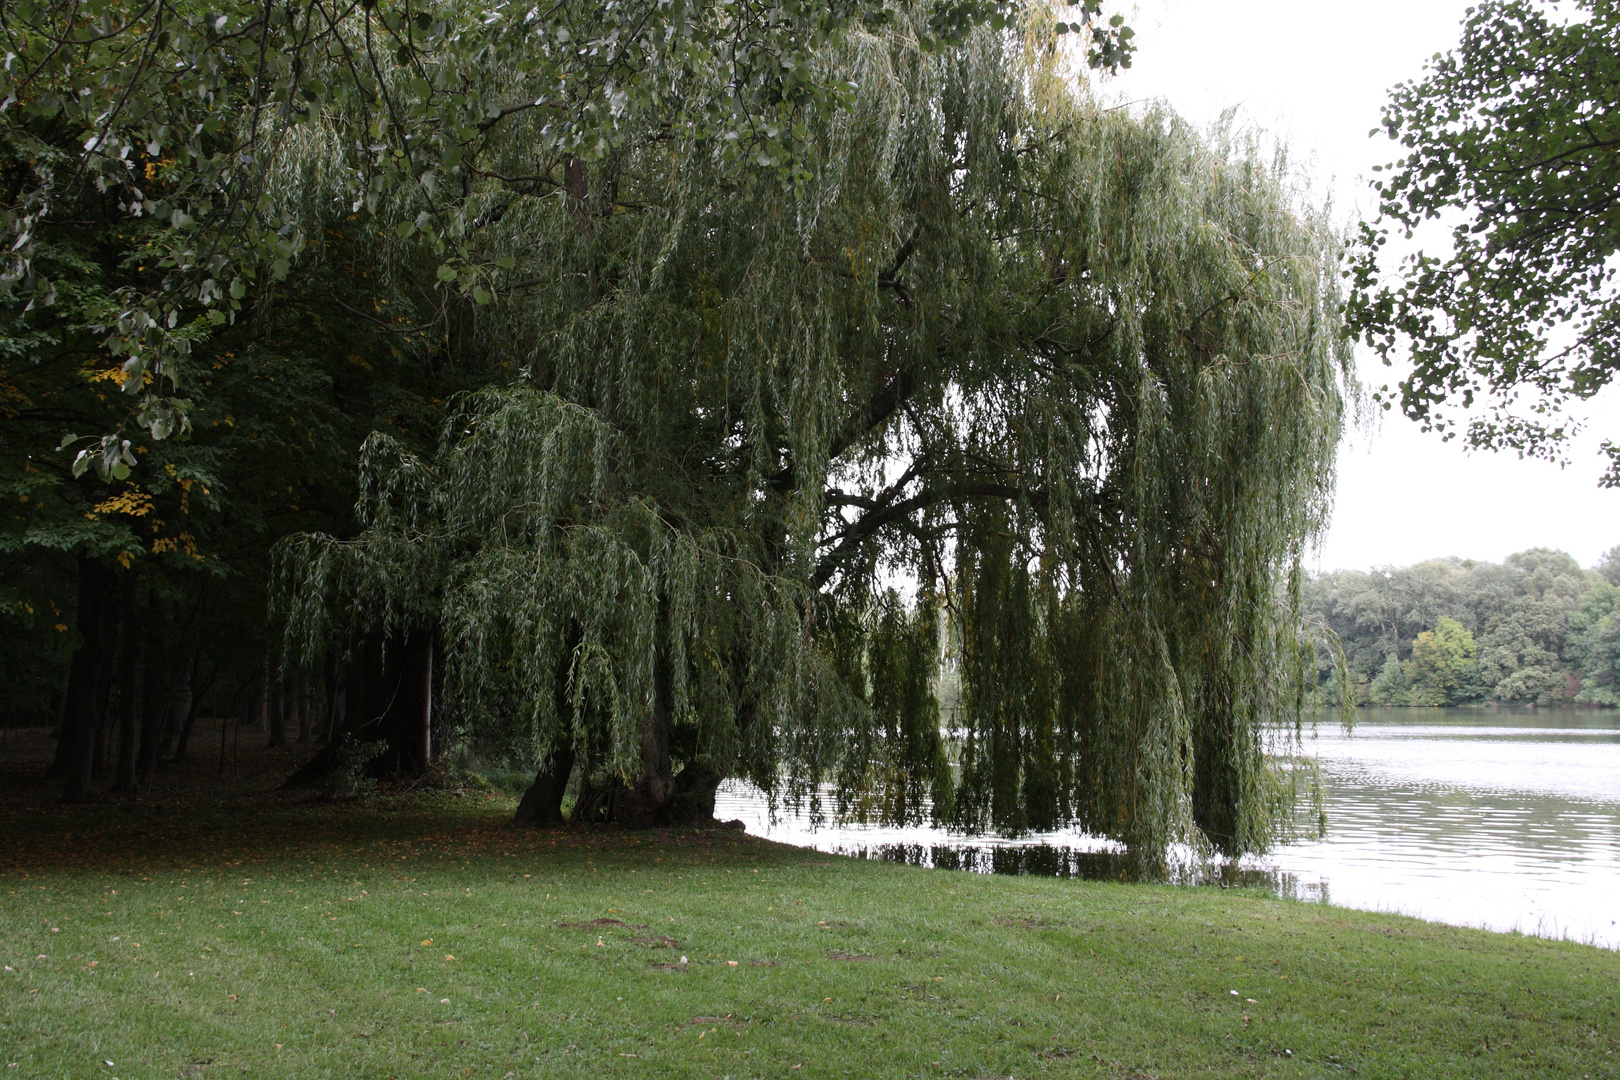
1078, 373
1513, 139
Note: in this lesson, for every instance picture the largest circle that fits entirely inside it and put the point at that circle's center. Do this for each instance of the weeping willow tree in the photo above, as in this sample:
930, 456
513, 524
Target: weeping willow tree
1076, 374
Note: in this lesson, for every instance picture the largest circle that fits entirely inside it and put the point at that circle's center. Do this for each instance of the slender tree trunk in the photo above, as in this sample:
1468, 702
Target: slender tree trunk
104, 685
337, 695
195, 694
260, 702
425, 722
154, 719
277, 704
300, 689
76, 748
129, 700
179, 707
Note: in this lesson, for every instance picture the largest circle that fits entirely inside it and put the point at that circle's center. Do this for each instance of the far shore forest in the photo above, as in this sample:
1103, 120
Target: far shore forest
1535, 629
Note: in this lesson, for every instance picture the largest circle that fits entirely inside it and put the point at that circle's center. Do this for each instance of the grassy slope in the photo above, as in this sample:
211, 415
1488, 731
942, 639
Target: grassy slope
307, 942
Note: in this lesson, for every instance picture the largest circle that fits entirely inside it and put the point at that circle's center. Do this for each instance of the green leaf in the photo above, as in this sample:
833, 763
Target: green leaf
481, 295
404, 229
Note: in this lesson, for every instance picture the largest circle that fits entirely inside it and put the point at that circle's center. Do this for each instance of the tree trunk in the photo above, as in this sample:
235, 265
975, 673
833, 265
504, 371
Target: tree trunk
259, 709
195, 692
179, 704
277, 704
336, 695
659, 796
154, 720
645, 802
300, 689
424, 723
384, 694
542, 803
129, 701
76, 749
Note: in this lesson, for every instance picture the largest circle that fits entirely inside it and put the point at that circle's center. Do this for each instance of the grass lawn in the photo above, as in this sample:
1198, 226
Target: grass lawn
428, 938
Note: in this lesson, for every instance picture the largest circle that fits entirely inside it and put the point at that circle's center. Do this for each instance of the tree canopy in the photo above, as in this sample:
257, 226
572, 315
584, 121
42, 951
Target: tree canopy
175, 399
1513, 138
184, 116
1076, 374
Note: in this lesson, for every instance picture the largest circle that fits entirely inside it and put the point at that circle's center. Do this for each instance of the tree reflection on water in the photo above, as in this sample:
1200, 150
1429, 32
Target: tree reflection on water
1047, 860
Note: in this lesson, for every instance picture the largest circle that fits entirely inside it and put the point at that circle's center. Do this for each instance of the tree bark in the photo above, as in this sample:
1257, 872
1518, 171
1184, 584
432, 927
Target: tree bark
383, 693
195, 692
300, 689
76, 749
155, 718
129, 700
260, 702
336, 695
277, 704
179, 703
644, 804
425, 711
657, 797
542, 803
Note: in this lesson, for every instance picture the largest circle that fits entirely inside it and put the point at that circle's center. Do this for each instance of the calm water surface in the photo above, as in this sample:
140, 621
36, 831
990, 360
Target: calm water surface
1506, 819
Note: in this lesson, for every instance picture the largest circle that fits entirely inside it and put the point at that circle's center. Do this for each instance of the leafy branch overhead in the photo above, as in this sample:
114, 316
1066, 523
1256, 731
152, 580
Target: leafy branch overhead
1513, 140
188, 118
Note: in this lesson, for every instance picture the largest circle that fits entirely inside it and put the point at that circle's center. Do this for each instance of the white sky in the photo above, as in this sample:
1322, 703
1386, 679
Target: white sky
1316, 75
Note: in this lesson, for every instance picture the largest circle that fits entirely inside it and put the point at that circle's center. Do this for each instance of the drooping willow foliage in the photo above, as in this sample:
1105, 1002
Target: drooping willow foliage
1076, 373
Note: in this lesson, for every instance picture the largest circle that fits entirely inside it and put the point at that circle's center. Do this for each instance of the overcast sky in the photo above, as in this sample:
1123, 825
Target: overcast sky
1316, 75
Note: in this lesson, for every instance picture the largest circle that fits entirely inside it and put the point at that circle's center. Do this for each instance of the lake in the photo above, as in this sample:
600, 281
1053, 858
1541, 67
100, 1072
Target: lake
1507, 819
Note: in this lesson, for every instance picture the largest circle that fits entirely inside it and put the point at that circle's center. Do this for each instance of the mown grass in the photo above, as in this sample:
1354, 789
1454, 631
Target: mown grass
435, 940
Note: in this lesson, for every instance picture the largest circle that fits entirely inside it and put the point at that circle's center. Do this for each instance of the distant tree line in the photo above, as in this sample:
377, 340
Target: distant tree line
1536, 629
